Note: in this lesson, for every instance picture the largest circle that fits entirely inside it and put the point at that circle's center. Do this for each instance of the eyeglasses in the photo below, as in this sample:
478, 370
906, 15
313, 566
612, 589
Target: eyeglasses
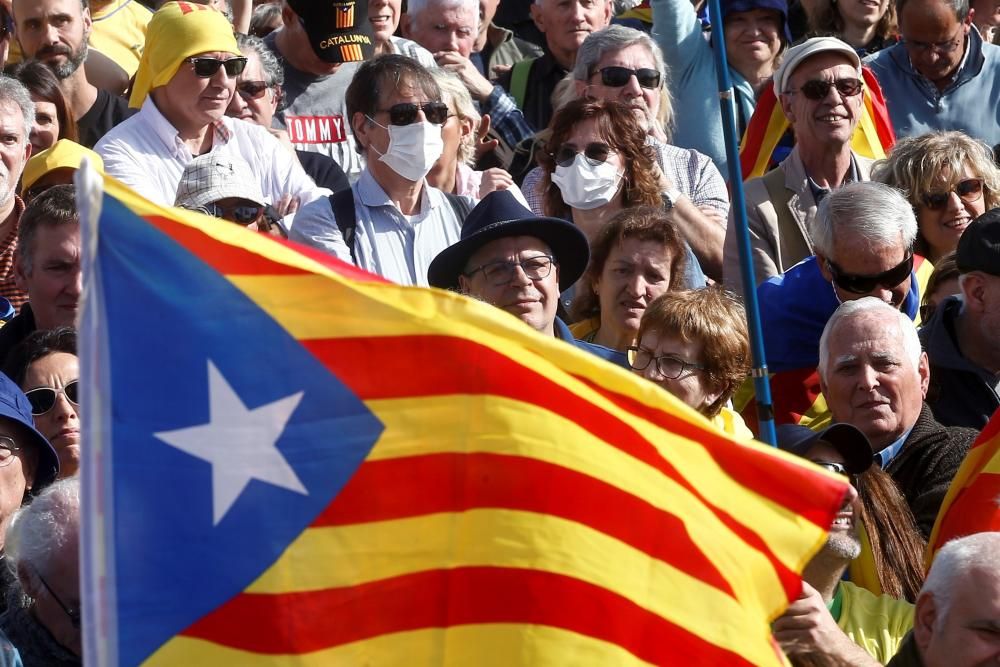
865, 284
7, 450
669, 366
596, 151
405, 113
72, 614
207, 67
616, 77
818, 89
840, 469
499, 274
242, 213
43, 399
969, 190
947, 46
251, 90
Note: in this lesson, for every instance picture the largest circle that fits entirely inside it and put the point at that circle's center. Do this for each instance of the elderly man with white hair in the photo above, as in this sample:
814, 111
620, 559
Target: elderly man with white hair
874, 376
957, 620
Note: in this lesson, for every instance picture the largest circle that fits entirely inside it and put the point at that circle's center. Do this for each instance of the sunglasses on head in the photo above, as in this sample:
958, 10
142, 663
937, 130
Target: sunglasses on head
207, 67
969, 190
818, 89
405, 113
596, 151
865, 284
43, 399
616, 77
251, 90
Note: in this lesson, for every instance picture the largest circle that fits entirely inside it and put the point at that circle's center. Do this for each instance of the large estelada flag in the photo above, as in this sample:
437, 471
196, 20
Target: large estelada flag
873, 136
294, 462
972, 504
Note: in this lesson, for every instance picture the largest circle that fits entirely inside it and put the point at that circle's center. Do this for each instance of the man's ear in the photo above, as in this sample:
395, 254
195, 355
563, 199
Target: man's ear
359, 125
405, 26
537, 16
824, 270
924, 370
924, 617
28, 580
464, 285
786, 107
20, 277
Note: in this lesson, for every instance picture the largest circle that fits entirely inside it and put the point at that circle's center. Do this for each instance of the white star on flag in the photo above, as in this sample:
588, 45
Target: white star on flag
240, 444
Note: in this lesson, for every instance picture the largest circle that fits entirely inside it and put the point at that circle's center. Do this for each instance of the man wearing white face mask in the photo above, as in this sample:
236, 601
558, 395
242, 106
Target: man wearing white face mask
391, 222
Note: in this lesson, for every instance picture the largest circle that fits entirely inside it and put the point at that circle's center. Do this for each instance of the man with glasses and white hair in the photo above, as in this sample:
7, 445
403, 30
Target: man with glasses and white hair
874, 376
17, 117
941, 75
184, 84
820, 89
957, 620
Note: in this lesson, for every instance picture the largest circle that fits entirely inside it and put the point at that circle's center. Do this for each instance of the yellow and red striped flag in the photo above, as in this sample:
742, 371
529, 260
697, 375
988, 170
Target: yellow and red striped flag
292, 461
972, 504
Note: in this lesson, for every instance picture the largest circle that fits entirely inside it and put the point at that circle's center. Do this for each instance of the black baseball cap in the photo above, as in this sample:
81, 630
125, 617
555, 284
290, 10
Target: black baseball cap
850, 442
339, 32
979, 246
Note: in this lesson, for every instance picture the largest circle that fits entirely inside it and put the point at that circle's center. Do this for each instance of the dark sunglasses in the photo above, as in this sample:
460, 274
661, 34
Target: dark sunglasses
405, 113
969, 190
817, 89
616, 77
840, 469
242, 214
207, 67
596, 151
251, 90
865, 284
43, 399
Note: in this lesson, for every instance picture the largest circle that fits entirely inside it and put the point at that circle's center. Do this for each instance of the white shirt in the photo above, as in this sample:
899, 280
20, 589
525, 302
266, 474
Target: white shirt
395, 246
146, 153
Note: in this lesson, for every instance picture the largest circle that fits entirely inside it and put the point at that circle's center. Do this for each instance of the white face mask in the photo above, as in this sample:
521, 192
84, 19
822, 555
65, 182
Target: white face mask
413, 149
587, 186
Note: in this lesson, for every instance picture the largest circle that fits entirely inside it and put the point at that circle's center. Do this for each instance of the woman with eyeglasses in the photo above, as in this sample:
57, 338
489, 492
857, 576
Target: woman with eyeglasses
46, 368
950, 180
867, 26
694, 344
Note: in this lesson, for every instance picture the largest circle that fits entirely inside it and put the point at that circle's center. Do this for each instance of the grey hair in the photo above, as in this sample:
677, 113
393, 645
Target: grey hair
953, 562
872, 308
262, 15
416, 7
13, 91
46, 525
960, 7
615, 38
274, 75
872, 211
456, 95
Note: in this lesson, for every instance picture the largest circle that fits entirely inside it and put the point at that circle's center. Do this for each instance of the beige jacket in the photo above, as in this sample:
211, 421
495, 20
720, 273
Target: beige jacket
780, 207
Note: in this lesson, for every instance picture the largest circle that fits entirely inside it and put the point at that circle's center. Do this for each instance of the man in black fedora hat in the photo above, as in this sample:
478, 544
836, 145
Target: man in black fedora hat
518, 262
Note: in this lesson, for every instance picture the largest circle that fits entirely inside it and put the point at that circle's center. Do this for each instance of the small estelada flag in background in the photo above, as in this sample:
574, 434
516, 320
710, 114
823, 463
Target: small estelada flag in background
291, 461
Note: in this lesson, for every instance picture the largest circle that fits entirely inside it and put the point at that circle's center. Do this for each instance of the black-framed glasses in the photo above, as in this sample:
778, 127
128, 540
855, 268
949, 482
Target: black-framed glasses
969, 190
818, 89
207, 67
242, 213
7, 450
616, 77
858, 284
596, 152
72, 614
251, 90
43, 399
502, 273
669, 366
840, 469
405, 113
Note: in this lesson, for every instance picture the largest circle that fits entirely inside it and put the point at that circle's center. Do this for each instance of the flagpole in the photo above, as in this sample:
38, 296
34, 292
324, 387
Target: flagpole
762, 386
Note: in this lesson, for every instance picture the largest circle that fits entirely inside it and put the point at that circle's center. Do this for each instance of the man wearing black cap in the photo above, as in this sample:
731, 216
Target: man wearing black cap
962, 339
832, 620
518, 262
319, 48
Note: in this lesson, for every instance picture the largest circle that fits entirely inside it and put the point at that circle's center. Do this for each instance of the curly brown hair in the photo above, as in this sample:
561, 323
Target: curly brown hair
618, 127
644, 223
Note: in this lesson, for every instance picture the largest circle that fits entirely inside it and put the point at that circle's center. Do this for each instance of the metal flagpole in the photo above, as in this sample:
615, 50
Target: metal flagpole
727, 102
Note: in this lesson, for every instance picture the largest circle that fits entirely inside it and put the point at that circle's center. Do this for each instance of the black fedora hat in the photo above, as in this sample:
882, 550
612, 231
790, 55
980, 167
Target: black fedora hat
500, 215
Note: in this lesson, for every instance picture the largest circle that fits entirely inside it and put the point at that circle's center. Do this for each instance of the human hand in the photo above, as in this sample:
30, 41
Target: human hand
484, 145
287, 205
479, 87
494, 179
807, 626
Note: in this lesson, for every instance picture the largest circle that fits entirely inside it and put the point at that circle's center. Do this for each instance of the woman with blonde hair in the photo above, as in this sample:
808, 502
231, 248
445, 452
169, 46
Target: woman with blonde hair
949, 178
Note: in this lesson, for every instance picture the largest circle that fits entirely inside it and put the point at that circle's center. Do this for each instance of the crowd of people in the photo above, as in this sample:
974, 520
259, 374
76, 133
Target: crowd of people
563, 161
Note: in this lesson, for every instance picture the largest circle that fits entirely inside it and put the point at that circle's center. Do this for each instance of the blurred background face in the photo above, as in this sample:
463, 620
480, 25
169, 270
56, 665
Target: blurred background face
252, 100
635, 273
384, 17
934, 38
60, 424
46, 129
566, 23
753, 38
862, 13
441, 28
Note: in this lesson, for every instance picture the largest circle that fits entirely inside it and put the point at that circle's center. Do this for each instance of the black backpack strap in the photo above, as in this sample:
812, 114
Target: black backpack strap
461, 205
344, 215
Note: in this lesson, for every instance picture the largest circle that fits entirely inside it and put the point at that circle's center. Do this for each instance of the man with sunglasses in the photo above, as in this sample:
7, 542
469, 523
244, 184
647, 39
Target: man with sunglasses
874, 376
941, 75
819, 86
962, 338
184, 85
834, 621
56, 32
